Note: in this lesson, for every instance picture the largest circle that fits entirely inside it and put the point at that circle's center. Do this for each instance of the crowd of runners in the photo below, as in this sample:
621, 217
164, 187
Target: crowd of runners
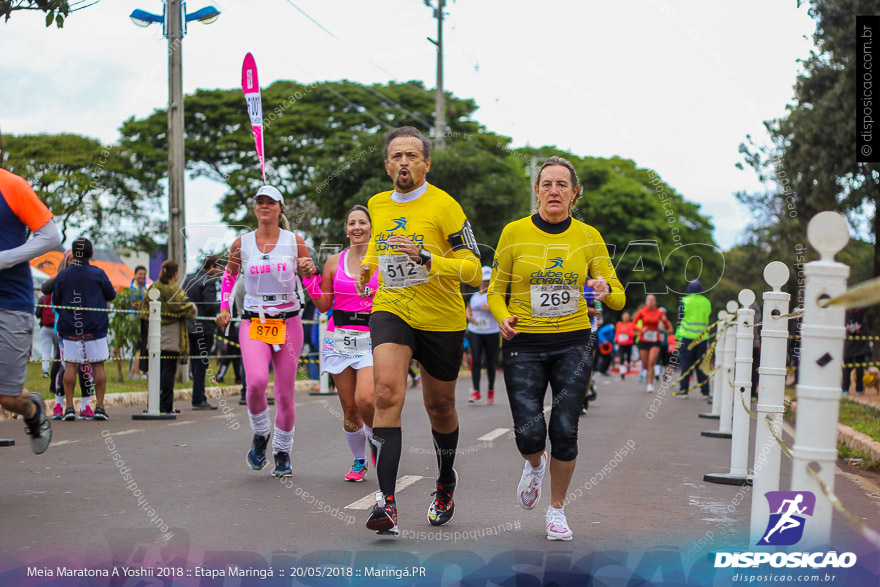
394, 296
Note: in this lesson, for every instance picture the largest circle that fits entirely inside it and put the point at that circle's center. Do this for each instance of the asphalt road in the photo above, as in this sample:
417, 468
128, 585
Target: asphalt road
641, 482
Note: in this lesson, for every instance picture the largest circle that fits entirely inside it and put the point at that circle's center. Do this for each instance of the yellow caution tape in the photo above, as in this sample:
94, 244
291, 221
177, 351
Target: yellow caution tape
866, 293
870, 535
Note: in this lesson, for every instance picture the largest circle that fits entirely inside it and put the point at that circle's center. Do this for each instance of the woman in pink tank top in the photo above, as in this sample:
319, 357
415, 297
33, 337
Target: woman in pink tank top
346, 350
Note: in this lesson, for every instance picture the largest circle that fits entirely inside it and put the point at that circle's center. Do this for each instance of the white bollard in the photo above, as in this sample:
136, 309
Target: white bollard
728, 358
818, 393
154, 348
771, 396
715, 414
741, 392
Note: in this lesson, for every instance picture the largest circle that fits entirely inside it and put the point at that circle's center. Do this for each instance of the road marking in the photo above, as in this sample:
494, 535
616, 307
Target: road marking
494, 434
181, 423
63, 442
369, 501
132, 431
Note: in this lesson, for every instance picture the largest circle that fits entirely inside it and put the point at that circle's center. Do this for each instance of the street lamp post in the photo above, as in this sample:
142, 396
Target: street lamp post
174, 19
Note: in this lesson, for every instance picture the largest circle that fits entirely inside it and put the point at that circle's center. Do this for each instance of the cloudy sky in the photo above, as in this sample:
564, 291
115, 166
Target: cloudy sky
675, 85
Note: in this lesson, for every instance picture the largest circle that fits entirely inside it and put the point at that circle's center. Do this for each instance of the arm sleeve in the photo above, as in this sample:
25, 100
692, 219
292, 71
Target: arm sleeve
45, 238
501, 275
600, 264
461, 260
227, 285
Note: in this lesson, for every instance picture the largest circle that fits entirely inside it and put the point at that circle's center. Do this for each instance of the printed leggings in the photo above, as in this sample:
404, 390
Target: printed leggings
526, 375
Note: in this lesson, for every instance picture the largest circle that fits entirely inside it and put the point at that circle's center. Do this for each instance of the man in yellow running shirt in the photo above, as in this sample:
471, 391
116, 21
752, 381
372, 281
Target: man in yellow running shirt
423, 247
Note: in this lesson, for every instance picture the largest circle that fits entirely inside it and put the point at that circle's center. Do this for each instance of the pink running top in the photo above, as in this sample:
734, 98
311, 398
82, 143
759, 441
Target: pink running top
345, 296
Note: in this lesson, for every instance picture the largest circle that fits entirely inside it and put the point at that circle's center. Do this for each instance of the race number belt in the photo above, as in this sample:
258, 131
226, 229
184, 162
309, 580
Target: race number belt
399, 272
622, 339
553, 300
351, 342
344, 318
650, 335
272, 331
248, 315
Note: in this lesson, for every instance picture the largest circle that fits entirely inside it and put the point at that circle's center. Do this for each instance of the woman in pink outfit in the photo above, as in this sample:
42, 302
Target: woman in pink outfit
346, 350
271, 328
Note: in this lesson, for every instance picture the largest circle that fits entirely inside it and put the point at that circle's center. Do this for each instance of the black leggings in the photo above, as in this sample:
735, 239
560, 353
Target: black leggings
526, 375
860, 373
625, 351
484, 344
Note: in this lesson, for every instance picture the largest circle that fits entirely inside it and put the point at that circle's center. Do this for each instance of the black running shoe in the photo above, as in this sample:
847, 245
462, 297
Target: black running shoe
38, 427
282, 465
100, 414
256, 456
69, 415
440, 512
383, 518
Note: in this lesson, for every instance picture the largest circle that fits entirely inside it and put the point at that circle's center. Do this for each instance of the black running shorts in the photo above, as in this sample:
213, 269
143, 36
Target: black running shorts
438, 352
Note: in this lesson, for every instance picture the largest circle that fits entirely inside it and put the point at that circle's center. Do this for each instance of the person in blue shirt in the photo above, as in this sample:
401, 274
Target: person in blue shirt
605, 338
83, 332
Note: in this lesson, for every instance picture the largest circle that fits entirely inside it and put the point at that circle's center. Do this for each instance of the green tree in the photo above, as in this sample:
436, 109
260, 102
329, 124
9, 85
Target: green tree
56, 10
324, 150
93, 190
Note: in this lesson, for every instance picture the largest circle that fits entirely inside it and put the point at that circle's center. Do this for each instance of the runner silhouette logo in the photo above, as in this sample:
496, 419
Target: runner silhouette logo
786, 525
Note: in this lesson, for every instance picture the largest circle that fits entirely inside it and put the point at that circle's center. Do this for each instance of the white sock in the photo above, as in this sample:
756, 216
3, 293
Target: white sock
357, 444
553, 510
656, 370
85, 401
59, 399
260, 422
283, 441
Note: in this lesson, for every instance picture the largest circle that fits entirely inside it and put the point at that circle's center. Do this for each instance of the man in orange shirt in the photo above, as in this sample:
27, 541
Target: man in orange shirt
21, 211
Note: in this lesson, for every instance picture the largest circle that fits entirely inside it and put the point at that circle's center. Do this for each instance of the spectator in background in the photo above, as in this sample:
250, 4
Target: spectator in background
56, 385
856, 350
140, 363
176, 310
48, 339
695, 314
201, 289
83, 332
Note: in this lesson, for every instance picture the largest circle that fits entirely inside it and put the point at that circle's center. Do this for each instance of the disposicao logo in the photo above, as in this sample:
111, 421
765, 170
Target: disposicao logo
786, 528
786, 525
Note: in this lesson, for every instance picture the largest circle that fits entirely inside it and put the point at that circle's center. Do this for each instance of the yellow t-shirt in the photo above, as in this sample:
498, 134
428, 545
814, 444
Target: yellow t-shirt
436, 222
527, 258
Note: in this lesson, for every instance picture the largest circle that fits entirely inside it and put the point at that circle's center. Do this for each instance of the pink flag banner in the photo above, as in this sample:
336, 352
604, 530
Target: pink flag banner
251, 87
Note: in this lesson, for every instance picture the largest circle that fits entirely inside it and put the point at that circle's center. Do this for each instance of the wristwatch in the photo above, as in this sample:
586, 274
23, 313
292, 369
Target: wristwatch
424, 257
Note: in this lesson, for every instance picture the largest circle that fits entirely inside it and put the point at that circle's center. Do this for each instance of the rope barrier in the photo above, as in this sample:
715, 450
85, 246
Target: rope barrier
866, 293
143, 313
867, 533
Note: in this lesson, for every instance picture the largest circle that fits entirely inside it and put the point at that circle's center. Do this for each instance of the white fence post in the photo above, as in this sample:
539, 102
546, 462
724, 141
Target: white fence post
154, 348
818, 392
715, 414
742, 395
771, 396
725, 420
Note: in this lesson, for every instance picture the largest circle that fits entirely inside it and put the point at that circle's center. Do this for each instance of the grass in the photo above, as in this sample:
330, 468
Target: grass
859, 417
36, 382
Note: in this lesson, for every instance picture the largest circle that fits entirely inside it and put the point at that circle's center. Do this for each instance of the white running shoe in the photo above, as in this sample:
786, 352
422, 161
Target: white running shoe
650, 388
557, 527
528, 492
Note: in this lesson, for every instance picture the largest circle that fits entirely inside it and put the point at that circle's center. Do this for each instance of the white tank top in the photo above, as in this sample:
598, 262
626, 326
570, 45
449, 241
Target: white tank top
270, 279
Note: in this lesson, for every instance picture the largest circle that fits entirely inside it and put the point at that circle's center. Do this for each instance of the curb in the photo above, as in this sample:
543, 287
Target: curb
852, 438
139, 398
